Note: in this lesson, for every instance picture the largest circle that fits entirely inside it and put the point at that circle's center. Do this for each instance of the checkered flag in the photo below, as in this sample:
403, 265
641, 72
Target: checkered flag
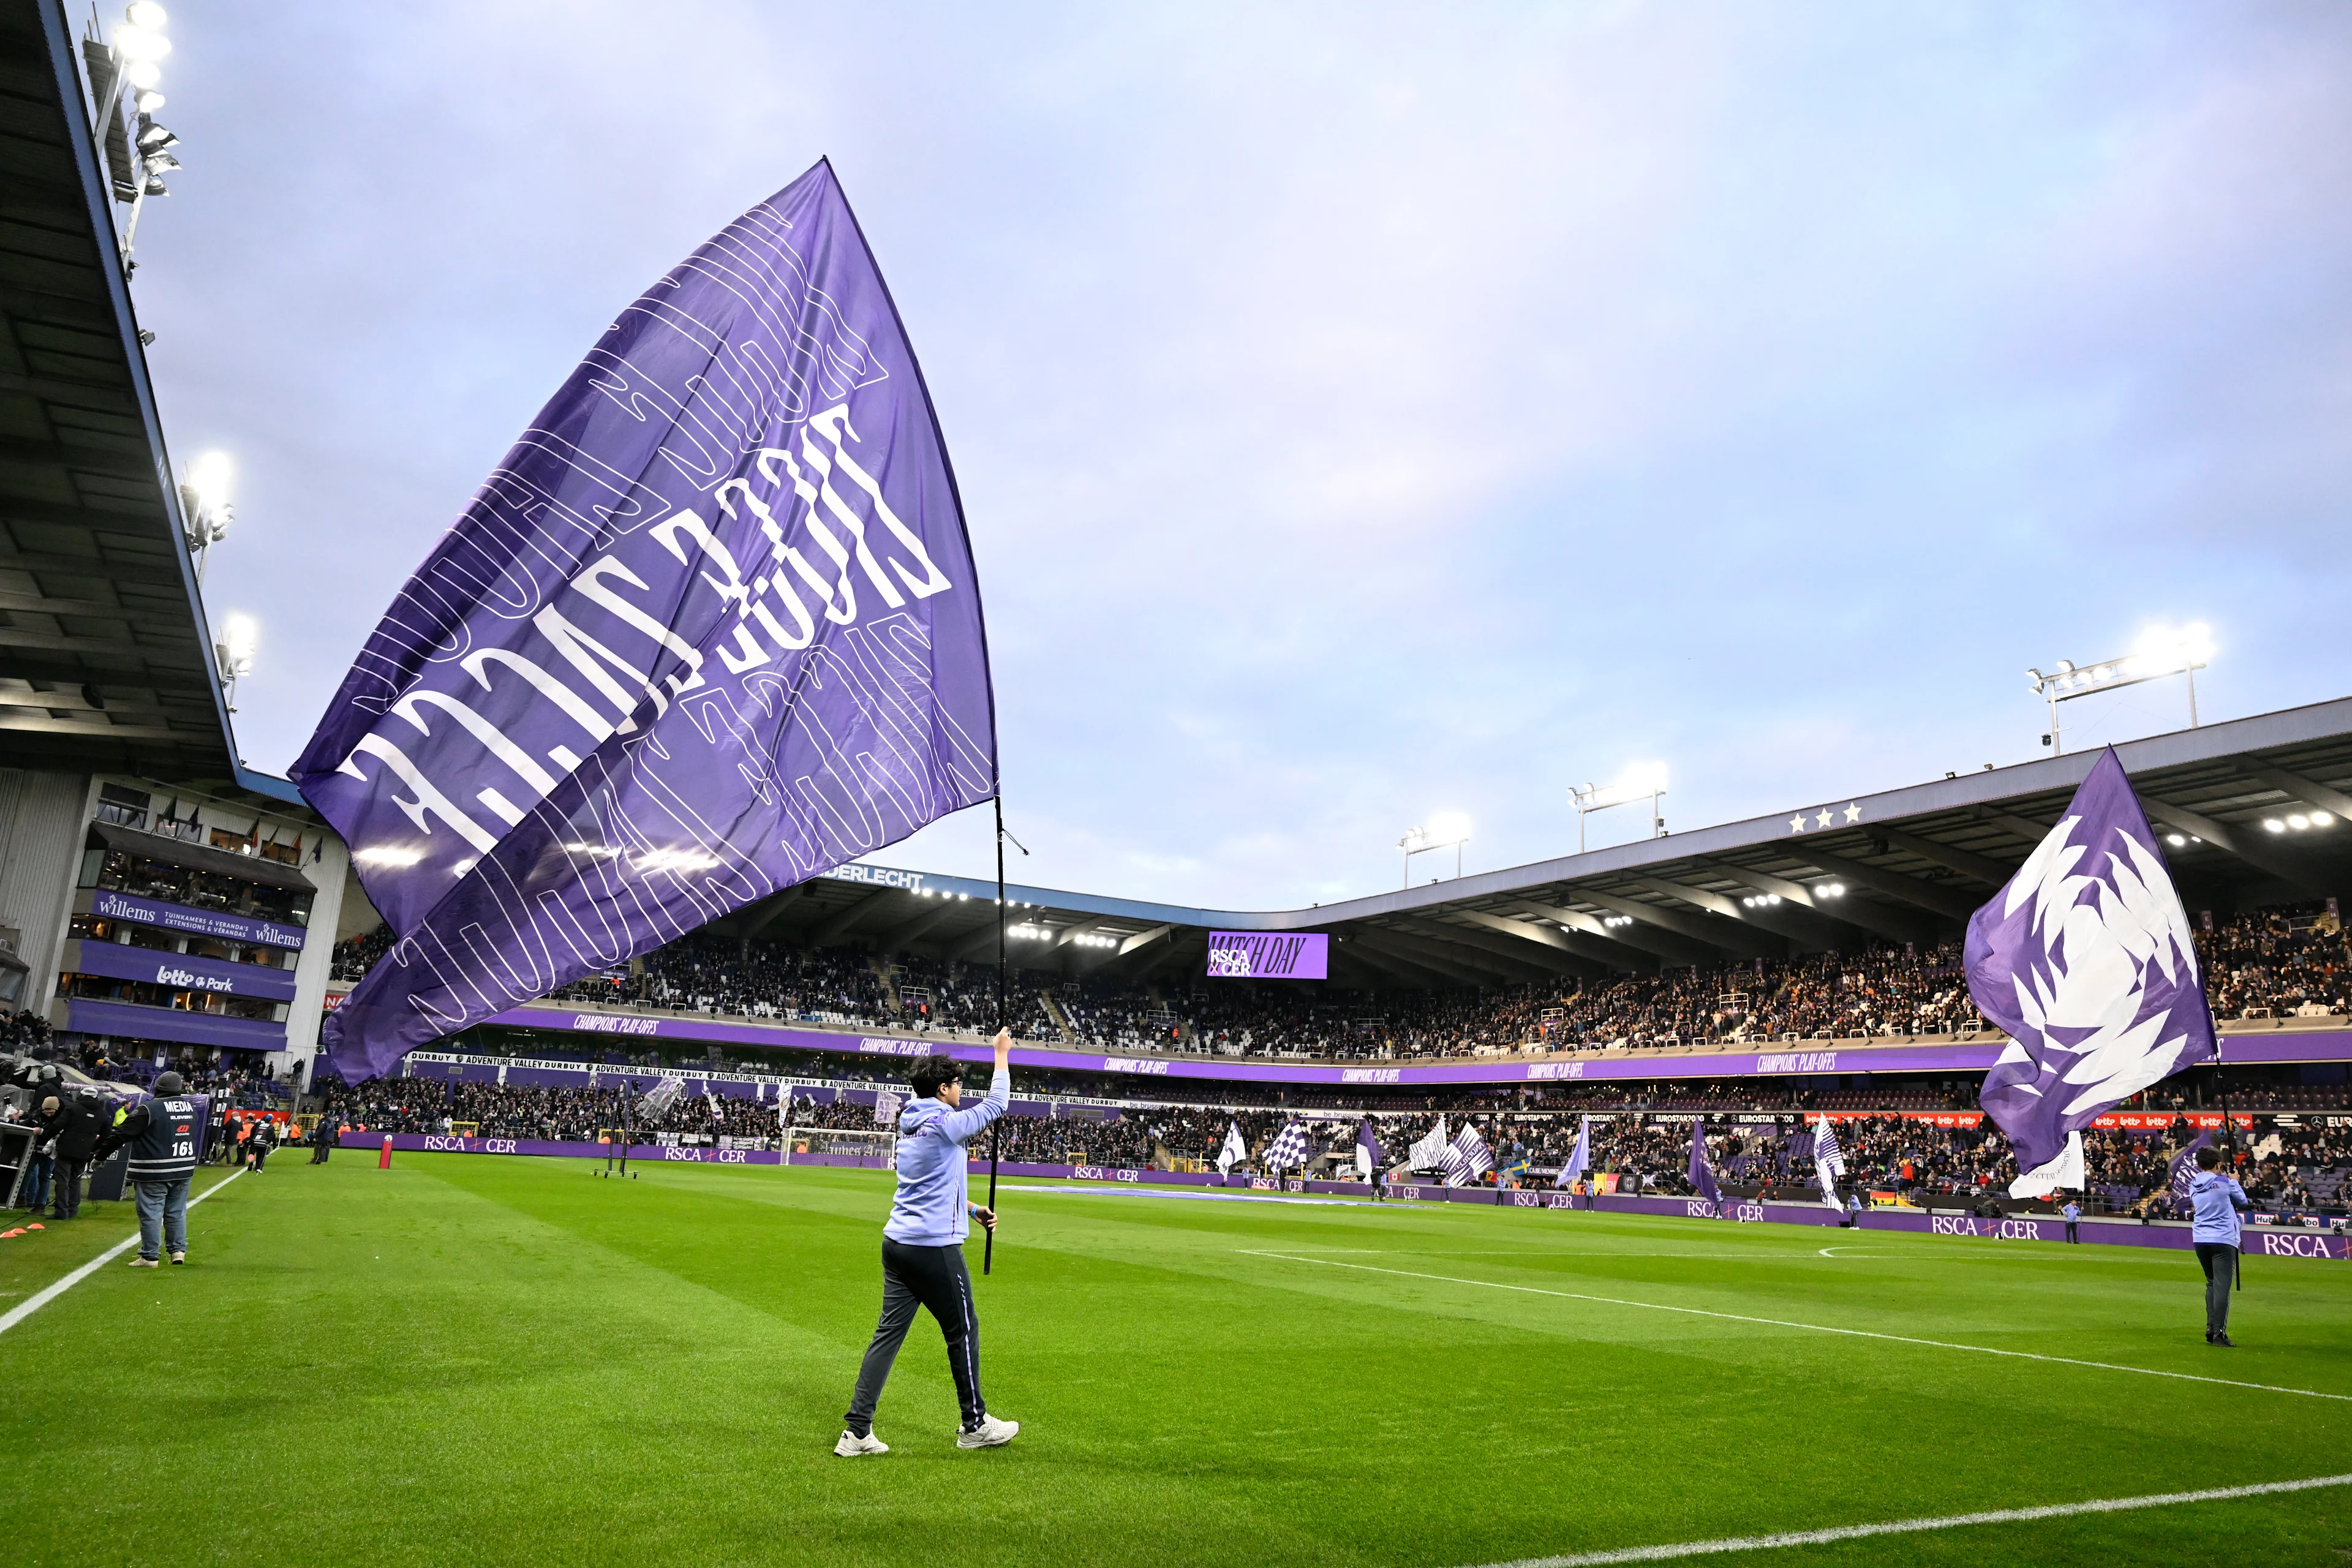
1466, 1159
1288, 1150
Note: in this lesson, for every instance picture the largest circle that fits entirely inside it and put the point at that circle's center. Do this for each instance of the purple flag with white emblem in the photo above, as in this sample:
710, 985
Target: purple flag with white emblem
1702, 1175
710, 629
2086, 962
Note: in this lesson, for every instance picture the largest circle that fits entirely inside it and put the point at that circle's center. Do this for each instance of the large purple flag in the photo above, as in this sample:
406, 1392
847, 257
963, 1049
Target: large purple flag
711, 628
1702, 1175
2086, 960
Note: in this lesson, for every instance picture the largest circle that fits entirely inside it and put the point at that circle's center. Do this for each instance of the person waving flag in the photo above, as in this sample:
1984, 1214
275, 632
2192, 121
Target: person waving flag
1429, 1154
1702, 1175
2086, 962
1829, 1163
1580, 1159
1288, 1150
1235, 1150
1466, 1159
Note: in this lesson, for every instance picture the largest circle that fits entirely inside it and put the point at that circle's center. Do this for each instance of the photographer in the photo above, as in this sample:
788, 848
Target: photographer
2217, 1198
922, 1249
165, 1134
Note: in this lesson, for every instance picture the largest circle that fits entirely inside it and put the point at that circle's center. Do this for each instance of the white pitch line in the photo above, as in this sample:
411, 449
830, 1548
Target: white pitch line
23, 1310
1912, 1526
1812, 1327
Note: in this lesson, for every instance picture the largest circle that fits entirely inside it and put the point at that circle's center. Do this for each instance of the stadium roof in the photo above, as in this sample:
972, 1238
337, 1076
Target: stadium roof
105, 658
1911, 863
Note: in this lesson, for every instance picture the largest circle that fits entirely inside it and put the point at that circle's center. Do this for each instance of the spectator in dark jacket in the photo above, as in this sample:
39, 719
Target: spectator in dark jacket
73, 1127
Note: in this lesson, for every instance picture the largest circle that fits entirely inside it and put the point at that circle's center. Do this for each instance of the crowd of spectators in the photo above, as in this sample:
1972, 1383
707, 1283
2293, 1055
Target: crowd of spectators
2266, 963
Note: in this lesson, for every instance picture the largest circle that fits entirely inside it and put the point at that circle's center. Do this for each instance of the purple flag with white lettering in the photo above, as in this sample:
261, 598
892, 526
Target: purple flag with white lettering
2183, 1169
1702, 1175
710, 629
2086, 962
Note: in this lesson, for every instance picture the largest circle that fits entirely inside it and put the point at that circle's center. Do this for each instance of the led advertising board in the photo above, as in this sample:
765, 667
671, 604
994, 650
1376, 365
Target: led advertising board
1269, 955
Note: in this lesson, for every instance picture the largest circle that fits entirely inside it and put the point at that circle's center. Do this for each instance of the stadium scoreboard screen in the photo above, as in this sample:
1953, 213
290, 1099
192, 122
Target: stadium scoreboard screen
1269, 955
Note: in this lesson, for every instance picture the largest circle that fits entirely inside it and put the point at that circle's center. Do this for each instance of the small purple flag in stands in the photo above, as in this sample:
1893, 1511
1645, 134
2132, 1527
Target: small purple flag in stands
1368, 1148
2086, 962
1580, 1159
1288, 1150
1466, 1159
1702, 1175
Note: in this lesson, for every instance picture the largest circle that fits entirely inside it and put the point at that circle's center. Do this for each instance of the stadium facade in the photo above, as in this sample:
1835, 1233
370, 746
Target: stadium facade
157, 894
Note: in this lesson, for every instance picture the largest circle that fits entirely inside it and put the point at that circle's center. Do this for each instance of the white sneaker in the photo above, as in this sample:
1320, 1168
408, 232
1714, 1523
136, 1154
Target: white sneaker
851, 1446
990, 1434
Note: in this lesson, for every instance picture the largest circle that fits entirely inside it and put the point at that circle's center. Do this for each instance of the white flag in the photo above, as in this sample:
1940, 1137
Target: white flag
887, 1107
1829, 1163
1235, 1148
1429, 1154
2066, 1170
1580, 1159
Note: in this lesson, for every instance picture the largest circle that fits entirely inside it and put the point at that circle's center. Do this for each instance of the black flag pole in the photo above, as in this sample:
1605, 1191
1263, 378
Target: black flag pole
2229, 1147
996, 1133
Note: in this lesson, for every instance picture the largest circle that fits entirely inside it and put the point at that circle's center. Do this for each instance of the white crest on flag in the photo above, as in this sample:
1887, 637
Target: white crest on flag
1234, 1149
2096, 953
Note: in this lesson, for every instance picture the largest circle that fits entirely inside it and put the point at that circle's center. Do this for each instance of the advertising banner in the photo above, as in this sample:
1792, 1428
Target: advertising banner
180, 972
1269, 955
107, 904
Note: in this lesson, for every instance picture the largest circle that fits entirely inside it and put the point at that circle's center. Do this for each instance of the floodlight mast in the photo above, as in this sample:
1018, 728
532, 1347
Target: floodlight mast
2161, 653
1642, 779
1433, 836
127, 63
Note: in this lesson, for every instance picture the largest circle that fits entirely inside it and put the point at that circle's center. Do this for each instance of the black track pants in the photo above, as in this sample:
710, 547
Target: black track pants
933, 1277
2219, 1262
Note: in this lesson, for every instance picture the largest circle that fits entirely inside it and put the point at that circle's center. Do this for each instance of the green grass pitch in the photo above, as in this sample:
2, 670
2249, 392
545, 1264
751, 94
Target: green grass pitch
480, 1360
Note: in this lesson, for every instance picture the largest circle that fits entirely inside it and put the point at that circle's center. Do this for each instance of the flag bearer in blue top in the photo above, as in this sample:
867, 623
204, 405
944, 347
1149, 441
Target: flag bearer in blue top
2217, 1198
922, 1249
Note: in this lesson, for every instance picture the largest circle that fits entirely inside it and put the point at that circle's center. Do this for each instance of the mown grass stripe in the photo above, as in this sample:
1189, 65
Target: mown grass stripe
1810, 1328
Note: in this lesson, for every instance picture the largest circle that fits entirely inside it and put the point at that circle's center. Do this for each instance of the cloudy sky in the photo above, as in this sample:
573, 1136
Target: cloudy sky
1362, 412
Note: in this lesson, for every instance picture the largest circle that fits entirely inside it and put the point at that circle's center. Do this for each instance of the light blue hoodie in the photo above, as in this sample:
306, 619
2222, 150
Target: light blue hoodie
929, 1209
2218, 1199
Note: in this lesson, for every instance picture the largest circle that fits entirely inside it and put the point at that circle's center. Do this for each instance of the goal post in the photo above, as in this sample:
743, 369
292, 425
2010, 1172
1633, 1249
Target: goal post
869, 1148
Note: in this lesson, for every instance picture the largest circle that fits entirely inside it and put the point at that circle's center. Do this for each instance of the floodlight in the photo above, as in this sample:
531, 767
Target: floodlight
208, 477
139, 44
148, 102
146, 14
142, 74
239, 636
2273, 824
2175, 840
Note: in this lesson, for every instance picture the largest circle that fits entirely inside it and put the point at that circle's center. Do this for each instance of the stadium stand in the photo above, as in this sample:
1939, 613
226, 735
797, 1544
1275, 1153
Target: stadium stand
2264, 963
